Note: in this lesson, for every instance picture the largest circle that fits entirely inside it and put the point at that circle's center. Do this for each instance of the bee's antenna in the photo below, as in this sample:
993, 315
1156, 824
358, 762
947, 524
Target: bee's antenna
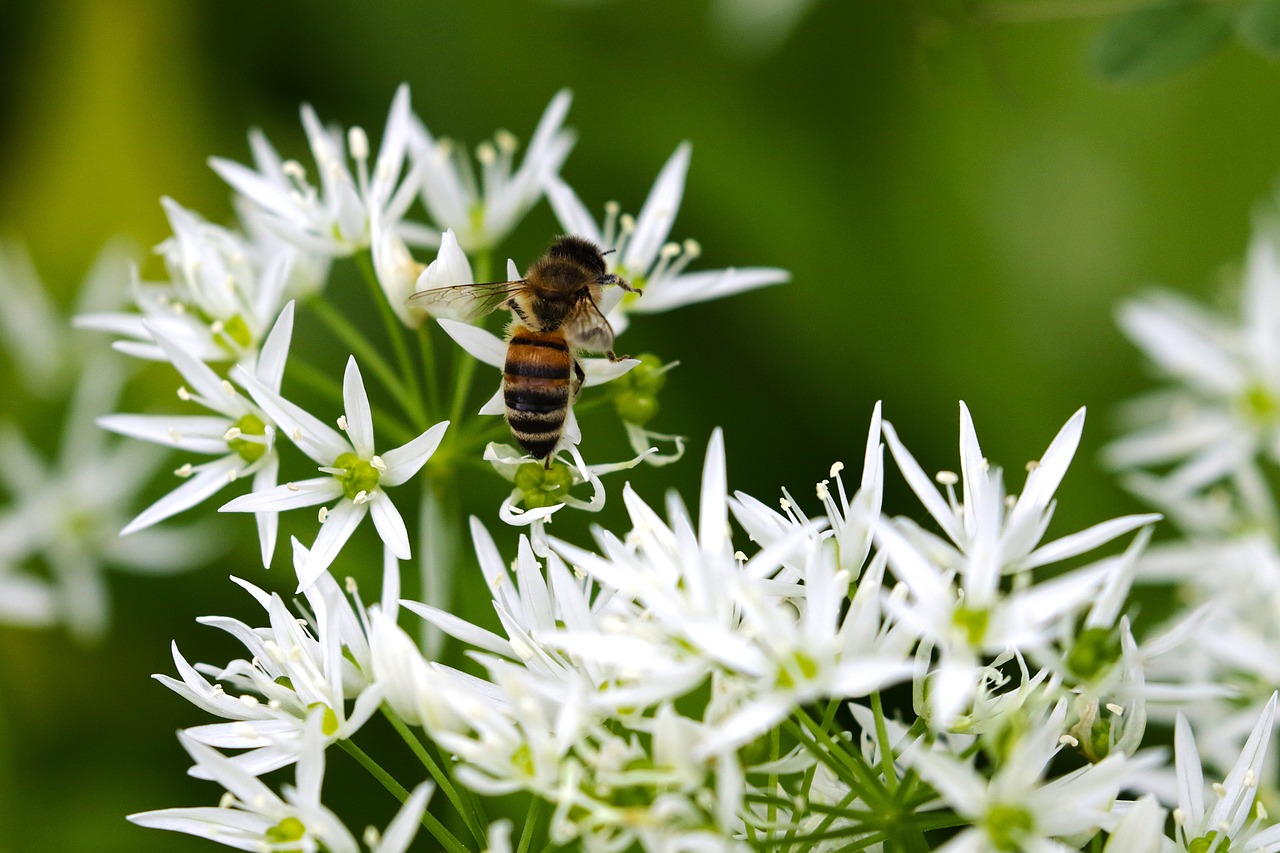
608, 251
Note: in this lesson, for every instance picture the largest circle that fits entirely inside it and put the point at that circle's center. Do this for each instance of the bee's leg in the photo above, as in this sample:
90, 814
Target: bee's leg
575, 384
612, 356
547, 460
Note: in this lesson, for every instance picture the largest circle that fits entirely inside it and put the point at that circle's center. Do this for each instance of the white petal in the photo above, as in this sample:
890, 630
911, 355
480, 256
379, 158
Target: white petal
338, 526
207, 479
1087, 539
196, 433
359, 417
480, 344
390, 525
659, 212
572, 213
311, 435
275, 350
316, 490
407, 460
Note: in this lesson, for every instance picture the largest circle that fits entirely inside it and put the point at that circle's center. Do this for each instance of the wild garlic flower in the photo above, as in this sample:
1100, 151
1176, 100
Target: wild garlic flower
355, 475
1237, 818
291, 667
483, 214
222, 297
1221, 415
642, 254
346, 212
253, 817
239, 433
1017, 808
955, 590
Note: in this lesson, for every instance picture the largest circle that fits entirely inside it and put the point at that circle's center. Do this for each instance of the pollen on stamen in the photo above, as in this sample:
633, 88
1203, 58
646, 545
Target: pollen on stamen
293, 487
228, 387
836, 468
627, 223
784, 503
248, 700
296, 435
358, 142
986, 464
232, 475
1010, 501
1260, 810
1219, 789
227, 800
669, 250
351, 585
739, 556
1068, 740
183, 393
372, 838
217, 327
1033, 465
232, 434
342, 422
612, 208
1250, 778
377, 464
1115, 709
185, 471
823, 491
174, 435
294, 169
506, 141
361, 497
179, 308
692, 248
486, 154
323, 514
1179, 815
947, 478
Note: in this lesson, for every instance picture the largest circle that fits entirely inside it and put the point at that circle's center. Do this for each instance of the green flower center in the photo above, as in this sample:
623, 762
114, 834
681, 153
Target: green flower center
238, 330
1205, 843
289, 829
543, 486
799, 669
972, 621
1093, 653
1007, 826
1259, 404
249, 450
328, 720
360, 475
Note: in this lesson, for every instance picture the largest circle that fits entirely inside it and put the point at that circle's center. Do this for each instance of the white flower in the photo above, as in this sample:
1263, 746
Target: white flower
242, 436
222, 297
346, 212
291, 667
401, 276
1227, 823
253, 817
1223, 412
68, 512
644, 258
355, 475
482, 215
1017, 809
956, 601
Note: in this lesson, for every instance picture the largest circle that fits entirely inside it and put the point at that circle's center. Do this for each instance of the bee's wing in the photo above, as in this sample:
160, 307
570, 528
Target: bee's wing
464, 302
586, 328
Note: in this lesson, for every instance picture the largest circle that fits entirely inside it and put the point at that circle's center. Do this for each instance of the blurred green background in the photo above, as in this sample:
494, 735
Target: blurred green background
962, 205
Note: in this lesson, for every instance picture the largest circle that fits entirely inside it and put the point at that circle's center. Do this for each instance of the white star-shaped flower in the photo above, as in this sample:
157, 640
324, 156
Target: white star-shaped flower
241, 434
354, 474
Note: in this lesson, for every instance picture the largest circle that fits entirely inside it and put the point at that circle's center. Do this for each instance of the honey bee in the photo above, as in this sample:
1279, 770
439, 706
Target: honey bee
556, 315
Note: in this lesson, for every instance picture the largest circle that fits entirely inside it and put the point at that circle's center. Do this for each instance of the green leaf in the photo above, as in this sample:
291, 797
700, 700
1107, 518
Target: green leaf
1259, 26
1156, 41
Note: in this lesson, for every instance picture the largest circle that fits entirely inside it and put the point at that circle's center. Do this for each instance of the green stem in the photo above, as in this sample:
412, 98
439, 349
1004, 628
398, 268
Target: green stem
323, 384
806, 784
428, 350
775, 749
874, 792
395, 331
882, 738
434, 826
343, 329
468, 810
531, 819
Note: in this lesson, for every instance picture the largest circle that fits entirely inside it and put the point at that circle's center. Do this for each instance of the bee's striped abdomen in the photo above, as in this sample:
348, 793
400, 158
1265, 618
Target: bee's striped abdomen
535, 388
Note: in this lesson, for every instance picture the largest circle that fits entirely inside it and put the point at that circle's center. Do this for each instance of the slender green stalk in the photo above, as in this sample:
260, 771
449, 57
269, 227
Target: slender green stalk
875, 792
426, 346
395, 331
475, 821
775, 750
323, 384
882, 739
368, 356
806, 783
811, 744
531, 819
434, 826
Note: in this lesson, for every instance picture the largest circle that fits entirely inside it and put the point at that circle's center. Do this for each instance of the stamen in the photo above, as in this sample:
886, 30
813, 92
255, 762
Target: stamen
358, 143
486, 154
1115, 709
231, 434
294, 170
739, 556
217, 327
296, 435
1033, 465
249, 700
232, 475
361, 497
323, 514
823, 492
507, 142
342, 422
786, 504
227, 800
1068, 740
836, 468
377, 463
350, 583
184, 394
228, 387
947, 478
293, 487
185, 471
1010, 501
174, 435
1219, 789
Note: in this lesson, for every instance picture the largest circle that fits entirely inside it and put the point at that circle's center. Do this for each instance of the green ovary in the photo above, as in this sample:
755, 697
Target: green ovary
543, 486
973, 622
1007, 826
289, 829
360, 476
238, 330
249, 450
1205, 843
799, 669
1093, 652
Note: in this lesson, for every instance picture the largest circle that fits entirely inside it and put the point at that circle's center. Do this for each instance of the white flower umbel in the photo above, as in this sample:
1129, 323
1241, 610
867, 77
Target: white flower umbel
1222, 413
644, 258
401, 276
291, 667
483, 214
253, 817
222, 297
956, 599
240, 434
67, 512
355, 475
339, 216
1236, 820
1017, 808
